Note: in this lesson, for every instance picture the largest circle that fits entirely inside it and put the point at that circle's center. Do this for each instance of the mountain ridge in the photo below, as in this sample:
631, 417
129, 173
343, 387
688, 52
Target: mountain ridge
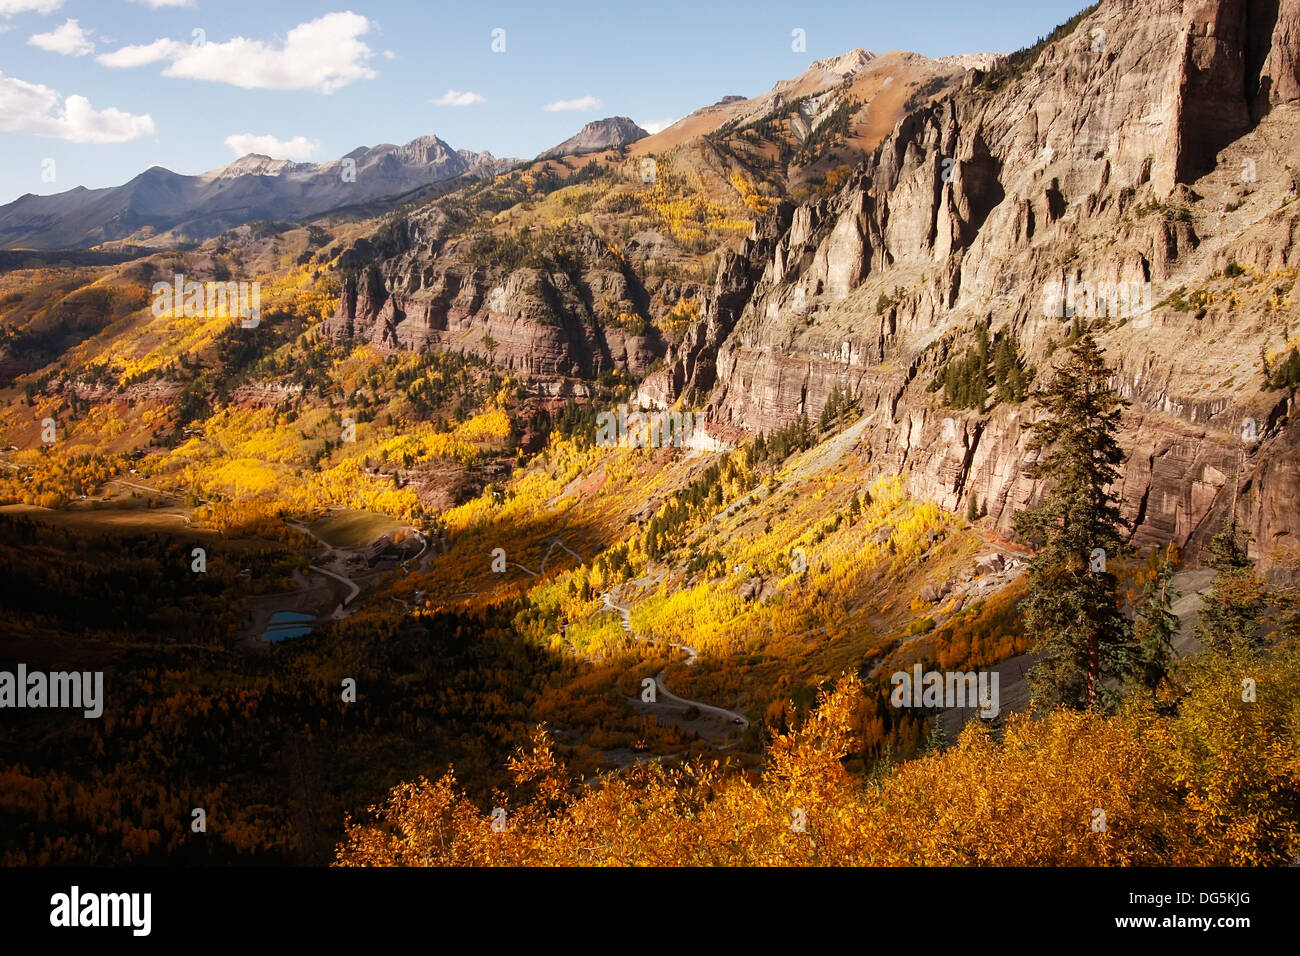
1079, 161
160, 202
973, 207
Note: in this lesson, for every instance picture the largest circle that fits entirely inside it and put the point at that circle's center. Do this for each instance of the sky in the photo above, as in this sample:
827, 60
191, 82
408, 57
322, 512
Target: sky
93, 92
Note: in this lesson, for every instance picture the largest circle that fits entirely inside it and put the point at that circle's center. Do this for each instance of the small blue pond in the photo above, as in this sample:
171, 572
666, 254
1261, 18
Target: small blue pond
287, 624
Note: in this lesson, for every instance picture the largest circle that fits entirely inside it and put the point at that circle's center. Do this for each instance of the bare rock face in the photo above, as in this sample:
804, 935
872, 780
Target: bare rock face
542, 323
1272, 54
1156, 143
692, 366
264, 394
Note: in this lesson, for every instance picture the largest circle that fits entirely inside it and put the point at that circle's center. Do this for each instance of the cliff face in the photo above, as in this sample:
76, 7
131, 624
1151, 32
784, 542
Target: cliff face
1137, 173
1156, 142
539, 323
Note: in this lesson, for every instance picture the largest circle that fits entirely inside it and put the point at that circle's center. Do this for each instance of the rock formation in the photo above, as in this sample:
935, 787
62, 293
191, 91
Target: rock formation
1154, 142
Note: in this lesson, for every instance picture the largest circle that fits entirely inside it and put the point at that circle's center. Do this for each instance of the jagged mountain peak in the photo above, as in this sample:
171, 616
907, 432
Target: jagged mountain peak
846, 64
250, 164
597, 135
971, 61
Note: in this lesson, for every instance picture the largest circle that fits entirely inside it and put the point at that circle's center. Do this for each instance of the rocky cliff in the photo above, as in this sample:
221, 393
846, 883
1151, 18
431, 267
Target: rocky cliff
544, 322
1150, 142
1134, 175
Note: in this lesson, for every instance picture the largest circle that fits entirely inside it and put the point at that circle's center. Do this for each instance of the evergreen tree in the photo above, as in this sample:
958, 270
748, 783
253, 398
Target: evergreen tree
937, 741
1008, 370
978, 382
1083, 639
965, 379
840, 404
972, 510
1230, 618
1156, 626
1076, 331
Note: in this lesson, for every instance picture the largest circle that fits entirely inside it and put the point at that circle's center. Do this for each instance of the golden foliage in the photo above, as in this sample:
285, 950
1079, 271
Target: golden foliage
683, 314
1170, 790
752, 198
685, 210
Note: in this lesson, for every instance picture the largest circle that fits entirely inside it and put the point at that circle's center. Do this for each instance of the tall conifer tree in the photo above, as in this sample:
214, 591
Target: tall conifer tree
1156, 625
1230, 617
1072, 605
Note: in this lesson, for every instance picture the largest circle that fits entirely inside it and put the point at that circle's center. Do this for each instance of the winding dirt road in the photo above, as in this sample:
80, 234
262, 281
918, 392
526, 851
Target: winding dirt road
354, 589
669, 704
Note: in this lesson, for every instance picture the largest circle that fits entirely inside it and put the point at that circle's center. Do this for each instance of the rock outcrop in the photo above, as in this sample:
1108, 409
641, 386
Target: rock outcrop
1136, 173
540, 323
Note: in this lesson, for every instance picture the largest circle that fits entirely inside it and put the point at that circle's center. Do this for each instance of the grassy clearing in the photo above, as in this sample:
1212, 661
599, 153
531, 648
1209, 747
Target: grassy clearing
354, 529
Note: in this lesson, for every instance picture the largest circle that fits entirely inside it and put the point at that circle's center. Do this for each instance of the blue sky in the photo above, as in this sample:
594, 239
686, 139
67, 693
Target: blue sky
321, 78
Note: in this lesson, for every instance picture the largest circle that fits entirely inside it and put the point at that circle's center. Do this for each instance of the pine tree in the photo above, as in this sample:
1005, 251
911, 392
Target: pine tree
978, 368
972, 510
1156, 626
1230, 618
1083, 639
965, 379
1076, 331
1001, 360
936, 741
1008, 370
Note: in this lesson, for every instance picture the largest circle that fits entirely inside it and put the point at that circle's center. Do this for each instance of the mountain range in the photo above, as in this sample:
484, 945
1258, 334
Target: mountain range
1150, 145
161, 208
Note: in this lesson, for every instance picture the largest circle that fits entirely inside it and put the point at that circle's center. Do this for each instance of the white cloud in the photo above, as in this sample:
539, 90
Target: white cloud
157, 4
390, 55
581, 103
10, 7
69, 39
324, 54
299, 148
457, 98
143, 54
33, 108
657, 127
